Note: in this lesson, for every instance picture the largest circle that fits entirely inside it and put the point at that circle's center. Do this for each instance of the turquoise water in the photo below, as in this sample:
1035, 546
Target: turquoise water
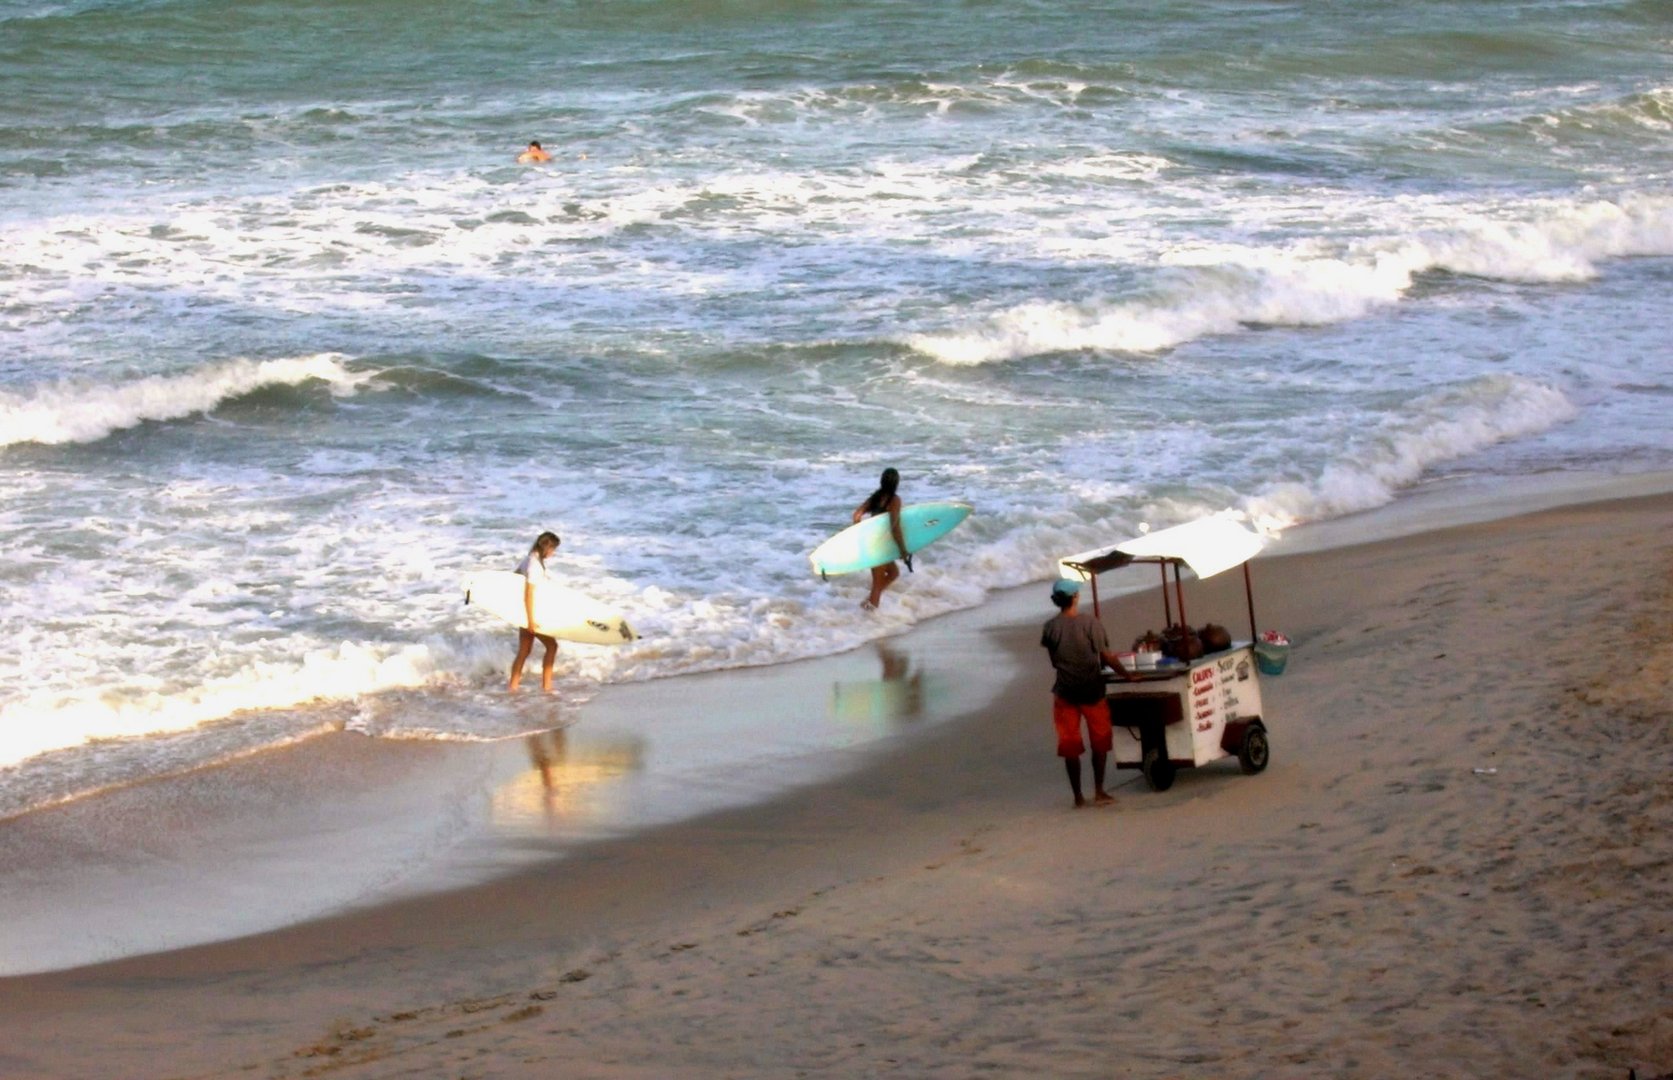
292, 345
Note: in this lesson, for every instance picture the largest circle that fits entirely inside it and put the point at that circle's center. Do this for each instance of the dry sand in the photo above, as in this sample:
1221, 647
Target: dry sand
1457, 865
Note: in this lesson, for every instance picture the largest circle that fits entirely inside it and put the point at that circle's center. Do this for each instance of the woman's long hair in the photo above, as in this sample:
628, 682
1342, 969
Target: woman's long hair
885, 493
542, 540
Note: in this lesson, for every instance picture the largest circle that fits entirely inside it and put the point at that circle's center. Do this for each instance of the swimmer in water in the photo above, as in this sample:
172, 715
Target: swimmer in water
534, 155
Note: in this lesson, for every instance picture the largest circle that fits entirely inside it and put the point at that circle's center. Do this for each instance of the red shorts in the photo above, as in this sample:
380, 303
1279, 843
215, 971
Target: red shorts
1067, 718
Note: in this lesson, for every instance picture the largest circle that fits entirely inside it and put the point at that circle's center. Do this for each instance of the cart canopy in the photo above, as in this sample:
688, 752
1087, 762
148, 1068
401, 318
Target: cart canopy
1208, 546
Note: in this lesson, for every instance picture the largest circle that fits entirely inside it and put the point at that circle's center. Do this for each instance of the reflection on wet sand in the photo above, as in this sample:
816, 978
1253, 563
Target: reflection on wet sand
566, 776
880, 705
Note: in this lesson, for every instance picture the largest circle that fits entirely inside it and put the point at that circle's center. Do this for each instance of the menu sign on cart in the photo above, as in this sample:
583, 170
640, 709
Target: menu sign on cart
1215, 691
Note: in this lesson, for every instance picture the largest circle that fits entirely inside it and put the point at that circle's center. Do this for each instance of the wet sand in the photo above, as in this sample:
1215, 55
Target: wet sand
1458, 863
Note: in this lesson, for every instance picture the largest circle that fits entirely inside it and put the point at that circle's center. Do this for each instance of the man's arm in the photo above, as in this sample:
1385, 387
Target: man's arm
1114, 662
1101, 642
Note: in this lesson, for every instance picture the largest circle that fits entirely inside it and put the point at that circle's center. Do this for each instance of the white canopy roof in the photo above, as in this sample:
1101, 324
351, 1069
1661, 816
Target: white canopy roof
1208, 546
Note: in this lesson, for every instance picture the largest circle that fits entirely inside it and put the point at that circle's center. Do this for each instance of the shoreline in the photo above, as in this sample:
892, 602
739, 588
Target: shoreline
362, 822
940, 892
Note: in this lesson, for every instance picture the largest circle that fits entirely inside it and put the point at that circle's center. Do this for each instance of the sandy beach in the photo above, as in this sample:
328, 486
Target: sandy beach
1458, 864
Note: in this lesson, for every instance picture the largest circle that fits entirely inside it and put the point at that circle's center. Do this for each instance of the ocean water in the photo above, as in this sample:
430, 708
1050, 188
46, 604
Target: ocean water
289, 345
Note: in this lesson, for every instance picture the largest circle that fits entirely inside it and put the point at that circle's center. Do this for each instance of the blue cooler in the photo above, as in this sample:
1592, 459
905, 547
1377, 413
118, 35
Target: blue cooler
1271, 657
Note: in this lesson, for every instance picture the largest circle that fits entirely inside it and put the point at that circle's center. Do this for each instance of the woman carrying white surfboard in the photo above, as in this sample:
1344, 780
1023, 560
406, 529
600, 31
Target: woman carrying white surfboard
533, 569
884, 501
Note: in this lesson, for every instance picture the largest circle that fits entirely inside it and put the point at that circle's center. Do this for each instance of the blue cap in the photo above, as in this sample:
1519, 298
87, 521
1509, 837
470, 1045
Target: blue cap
1066, 587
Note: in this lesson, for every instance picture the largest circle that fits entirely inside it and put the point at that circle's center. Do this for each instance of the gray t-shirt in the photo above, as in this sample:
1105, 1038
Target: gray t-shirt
1075, 643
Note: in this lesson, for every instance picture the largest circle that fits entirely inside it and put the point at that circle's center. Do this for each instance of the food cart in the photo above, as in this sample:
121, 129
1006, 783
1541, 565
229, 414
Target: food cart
1184, 713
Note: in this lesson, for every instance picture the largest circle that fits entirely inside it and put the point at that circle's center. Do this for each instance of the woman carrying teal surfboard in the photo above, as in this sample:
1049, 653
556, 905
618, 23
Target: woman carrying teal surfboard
885, 530
884, 501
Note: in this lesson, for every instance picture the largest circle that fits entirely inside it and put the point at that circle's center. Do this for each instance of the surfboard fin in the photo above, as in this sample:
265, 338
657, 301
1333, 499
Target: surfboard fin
908, 560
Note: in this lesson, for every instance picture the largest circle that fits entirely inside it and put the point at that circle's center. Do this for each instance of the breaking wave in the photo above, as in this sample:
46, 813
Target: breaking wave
1442, 427
1220, 290
71, 412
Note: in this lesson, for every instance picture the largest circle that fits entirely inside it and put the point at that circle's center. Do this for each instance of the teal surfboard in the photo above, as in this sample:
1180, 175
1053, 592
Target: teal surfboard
869, 544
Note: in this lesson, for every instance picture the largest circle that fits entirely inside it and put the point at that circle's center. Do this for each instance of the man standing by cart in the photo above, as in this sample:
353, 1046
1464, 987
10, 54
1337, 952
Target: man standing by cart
1079, 648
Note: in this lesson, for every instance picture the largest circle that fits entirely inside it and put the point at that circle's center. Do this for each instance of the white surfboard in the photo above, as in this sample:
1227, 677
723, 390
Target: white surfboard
558, 612
870, 543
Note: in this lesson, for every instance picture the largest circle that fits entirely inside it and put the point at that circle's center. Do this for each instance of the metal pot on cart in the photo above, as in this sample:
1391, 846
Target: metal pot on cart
1183, 713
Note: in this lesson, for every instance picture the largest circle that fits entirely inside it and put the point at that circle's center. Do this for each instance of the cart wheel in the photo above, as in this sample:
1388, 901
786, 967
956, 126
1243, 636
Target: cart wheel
1157, 769
1254, 752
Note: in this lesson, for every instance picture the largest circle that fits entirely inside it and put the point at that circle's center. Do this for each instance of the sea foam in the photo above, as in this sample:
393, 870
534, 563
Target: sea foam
42, 722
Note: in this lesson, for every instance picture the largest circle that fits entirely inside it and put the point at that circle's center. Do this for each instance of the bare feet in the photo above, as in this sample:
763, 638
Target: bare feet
1079, 802
1103, 798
